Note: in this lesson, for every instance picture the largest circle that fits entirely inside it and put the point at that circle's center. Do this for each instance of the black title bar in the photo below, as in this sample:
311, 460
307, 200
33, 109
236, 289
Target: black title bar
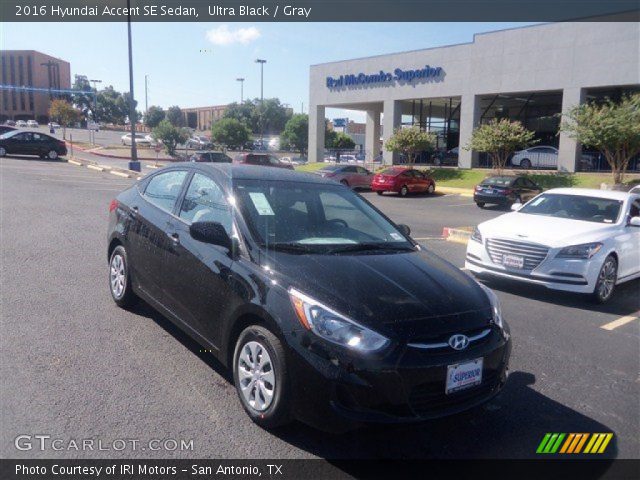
317, 10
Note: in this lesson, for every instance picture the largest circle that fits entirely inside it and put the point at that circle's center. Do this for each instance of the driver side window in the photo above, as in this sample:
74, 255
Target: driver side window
205, 202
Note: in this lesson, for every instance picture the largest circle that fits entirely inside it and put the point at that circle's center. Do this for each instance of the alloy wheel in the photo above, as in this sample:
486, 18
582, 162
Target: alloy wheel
256, 376
431, 188
404, 191
52, 154
607, 279
117, 276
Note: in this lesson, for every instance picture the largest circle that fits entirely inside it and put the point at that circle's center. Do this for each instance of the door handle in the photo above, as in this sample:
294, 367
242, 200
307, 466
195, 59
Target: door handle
175, 238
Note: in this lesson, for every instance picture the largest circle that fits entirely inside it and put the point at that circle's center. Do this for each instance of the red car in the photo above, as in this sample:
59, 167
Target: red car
402, 180
261, 159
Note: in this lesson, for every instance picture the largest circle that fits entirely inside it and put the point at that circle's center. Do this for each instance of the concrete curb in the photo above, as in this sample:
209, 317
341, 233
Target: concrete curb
457, 235
121, 172
93, 151
463, 192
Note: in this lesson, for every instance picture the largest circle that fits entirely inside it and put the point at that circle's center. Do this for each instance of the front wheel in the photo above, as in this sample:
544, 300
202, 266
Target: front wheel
260, 377
480, 204
120, 278
52, 155
344, 182
404, 191
525, 163
431, 188
606, 283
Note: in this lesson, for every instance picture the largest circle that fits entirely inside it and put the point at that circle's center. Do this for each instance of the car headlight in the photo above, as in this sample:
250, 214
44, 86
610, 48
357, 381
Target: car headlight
496, 308
584, 251
476, 236
333, 327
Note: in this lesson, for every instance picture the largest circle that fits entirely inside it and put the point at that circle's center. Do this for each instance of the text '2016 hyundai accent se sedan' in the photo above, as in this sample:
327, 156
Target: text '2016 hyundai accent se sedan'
325, 310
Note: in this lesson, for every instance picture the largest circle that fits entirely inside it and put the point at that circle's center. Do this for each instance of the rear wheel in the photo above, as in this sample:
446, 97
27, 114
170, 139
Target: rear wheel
404, 191
260, 377
525, 163
344, 182
120, 278
606, 283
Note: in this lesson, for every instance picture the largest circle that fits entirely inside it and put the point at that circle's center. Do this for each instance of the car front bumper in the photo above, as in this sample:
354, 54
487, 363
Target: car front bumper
493, 199
337, 393
570, 275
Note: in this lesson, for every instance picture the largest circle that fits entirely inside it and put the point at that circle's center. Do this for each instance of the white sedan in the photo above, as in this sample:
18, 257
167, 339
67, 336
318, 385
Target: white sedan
142, 140
536, 157
576, 240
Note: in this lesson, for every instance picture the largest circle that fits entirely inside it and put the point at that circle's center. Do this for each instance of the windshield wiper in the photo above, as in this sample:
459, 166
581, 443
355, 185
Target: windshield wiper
289, 247
362, 247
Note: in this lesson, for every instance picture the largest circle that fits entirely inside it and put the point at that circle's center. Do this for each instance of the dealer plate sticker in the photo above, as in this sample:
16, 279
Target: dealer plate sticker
513, 261
464, 375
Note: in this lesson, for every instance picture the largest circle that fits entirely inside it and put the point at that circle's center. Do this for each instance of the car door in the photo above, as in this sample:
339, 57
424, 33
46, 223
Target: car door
149, 239
19, 143
364, 177
628, 242
196, 275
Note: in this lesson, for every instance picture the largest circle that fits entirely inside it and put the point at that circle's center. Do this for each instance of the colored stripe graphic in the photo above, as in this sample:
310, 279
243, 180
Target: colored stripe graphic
573, 443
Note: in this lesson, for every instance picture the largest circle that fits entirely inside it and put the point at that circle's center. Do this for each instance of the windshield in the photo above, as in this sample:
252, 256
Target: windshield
575, 207
318, 218
503, 181
391, 171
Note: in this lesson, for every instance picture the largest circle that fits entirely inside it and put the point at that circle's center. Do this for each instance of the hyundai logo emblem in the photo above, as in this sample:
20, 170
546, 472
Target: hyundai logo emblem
459, 342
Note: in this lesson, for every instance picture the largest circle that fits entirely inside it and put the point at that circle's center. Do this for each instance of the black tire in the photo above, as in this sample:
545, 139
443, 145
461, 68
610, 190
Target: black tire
431, 189
379, 192
608, 272
52, 154
278, 412
480, 204
124, 298
344, 182
525, 163
404, 191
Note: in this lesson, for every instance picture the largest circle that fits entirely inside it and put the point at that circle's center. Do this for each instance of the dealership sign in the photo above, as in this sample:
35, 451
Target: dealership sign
381, 78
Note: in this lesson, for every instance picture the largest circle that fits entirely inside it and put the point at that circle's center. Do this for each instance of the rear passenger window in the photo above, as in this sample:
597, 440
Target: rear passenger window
205, 202
163, 189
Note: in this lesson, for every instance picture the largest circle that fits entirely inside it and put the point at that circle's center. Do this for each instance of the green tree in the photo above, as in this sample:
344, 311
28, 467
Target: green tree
342, 141
612, 128
64, 113
242, 112
499, 139
169, 135
154, 116
175, 116
411, 142
230, 132
268, 117
83, 98
296, 133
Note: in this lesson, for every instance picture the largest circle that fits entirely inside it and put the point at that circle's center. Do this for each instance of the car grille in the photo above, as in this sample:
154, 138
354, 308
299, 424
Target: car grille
430, 398
532, 253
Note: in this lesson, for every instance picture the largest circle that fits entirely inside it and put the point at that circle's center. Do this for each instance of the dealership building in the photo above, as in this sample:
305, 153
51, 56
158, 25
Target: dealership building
530, 74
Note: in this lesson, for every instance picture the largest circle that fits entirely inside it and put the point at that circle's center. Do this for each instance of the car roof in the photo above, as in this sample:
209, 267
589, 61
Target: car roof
256, 172
591, 192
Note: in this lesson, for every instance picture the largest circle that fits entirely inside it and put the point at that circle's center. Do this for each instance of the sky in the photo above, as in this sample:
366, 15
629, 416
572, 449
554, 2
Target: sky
197, 64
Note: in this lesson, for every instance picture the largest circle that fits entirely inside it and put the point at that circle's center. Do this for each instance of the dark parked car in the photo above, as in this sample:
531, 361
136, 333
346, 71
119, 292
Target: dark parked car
261, 159
6, 128
212, 157
505, 190
402, 180
324, 309
31, 143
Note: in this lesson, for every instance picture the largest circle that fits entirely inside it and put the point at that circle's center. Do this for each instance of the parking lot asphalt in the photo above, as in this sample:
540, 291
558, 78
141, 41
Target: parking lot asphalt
74, 366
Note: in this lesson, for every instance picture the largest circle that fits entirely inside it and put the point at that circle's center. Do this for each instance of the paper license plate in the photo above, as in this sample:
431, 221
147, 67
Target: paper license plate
463, 375
513, 261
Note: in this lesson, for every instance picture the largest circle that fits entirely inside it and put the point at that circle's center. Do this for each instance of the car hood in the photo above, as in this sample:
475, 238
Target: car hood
405, 295
550, 231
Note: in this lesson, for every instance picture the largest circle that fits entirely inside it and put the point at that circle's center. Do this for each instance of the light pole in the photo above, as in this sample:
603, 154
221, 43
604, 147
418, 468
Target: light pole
132, 108
241, 80
261, 62
146, 101
95, 98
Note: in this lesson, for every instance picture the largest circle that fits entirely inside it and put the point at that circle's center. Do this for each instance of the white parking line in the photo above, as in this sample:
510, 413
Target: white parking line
97, 182
461, 205
619, 322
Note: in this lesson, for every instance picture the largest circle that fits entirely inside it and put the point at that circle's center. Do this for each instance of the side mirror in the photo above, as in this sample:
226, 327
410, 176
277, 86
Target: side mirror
516, 206
211, 232
634, 222
404, 229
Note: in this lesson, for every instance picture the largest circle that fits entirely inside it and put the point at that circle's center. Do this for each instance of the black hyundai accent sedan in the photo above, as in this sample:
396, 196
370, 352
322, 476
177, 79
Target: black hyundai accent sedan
323, 308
